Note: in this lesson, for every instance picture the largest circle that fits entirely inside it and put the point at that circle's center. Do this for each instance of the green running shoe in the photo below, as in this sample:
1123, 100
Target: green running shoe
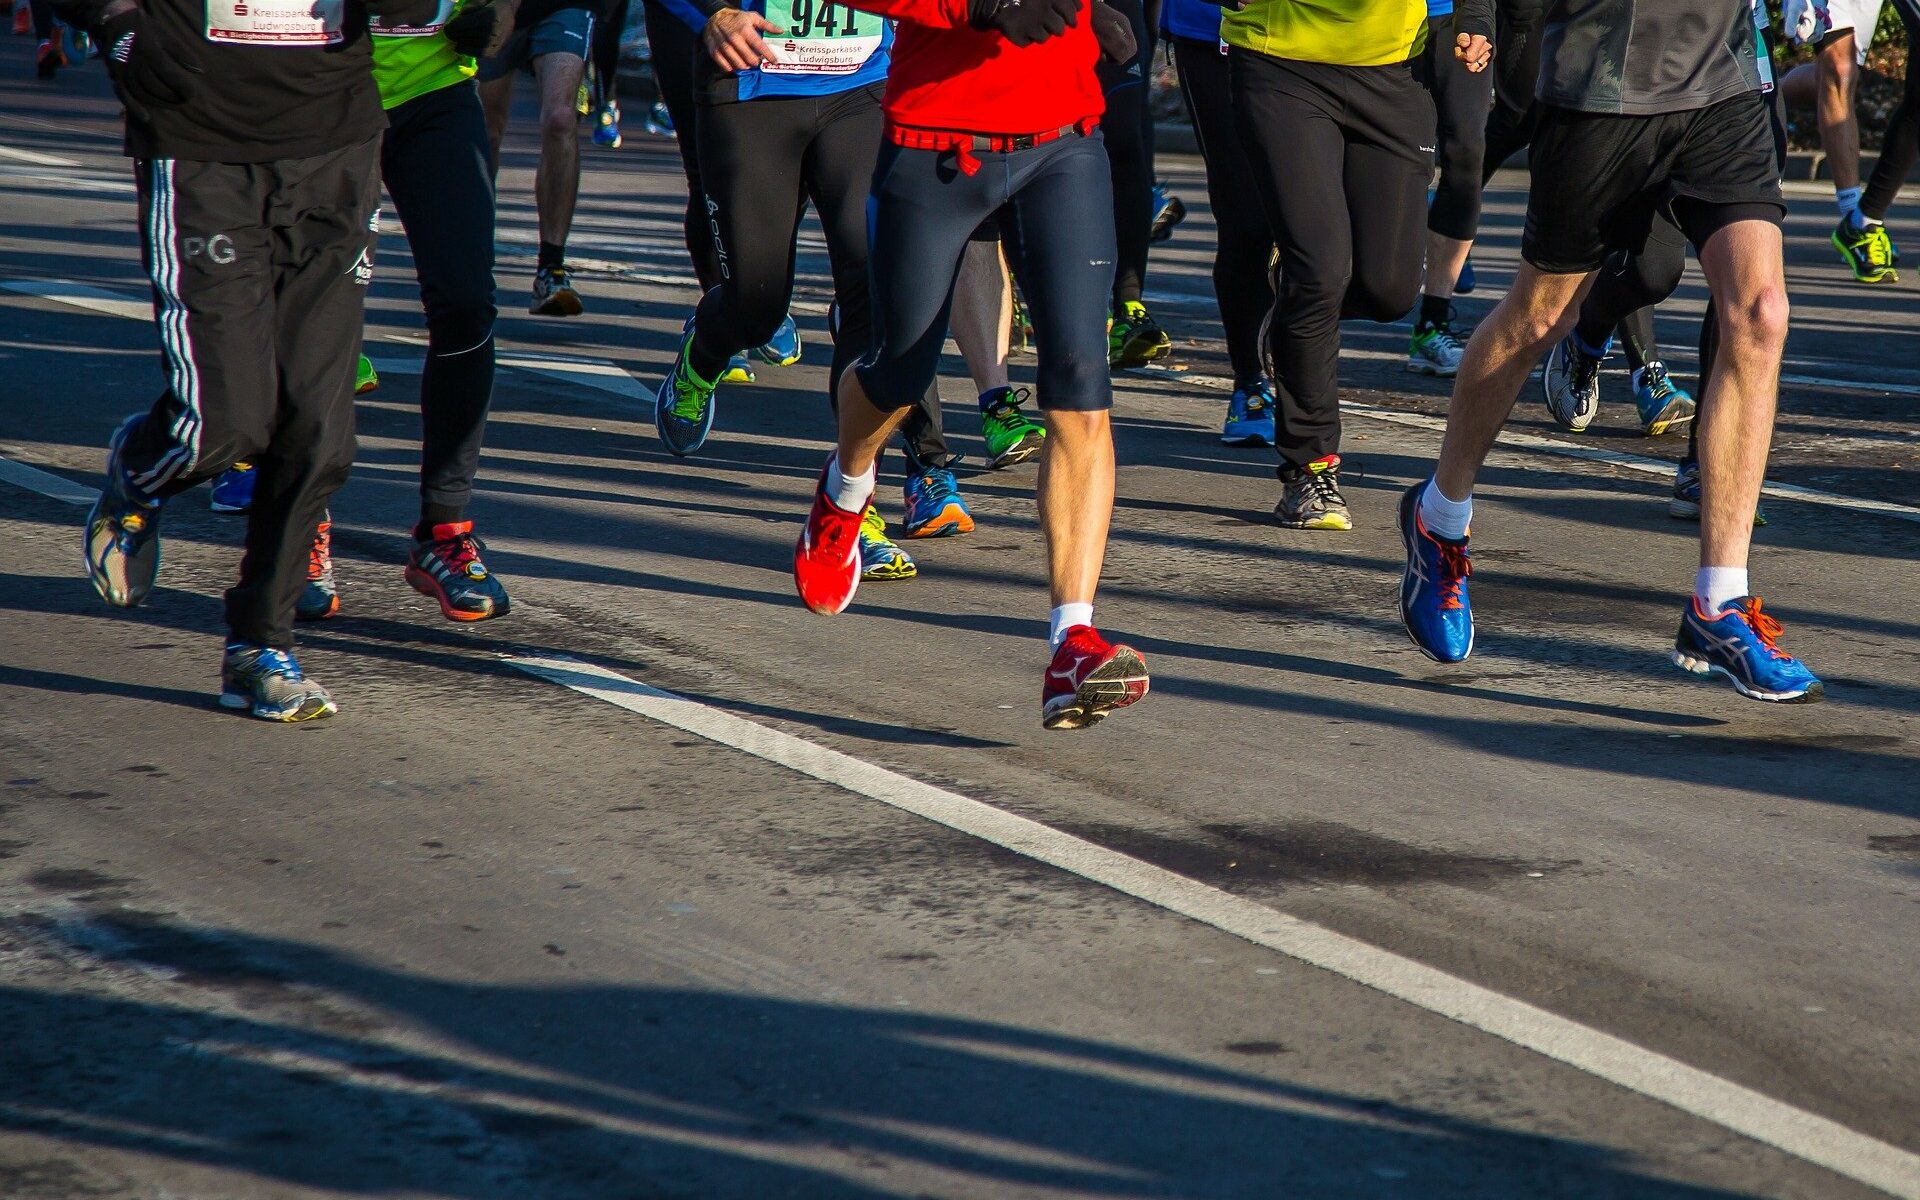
1868, 251
683, 407
881, 560
1012, 436
1134, 338
365, 378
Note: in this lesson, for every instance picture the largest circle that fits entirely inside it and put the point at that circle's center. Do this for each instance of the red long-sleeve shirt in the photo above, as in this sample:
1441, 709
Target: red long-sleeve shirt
947, 75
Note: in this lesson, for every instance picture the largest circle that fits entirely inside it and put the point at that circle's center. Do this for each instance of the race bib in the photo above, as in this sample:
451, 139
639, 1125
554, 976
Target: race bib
819, 37
440, 19
277, 22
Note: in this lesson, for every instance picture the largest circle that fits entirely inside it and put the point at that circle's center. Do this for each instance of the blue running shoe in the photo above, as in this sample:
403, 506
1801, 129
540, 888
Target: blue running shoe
1684, 505
739, 370
783, 349
934, 506
1433, 592
1250, 416
880, 560
606, 126
659, 120
1663, 404
233, 490
683, 407
1463, 286
123, 531
1743, 644
1168, 211
269, 684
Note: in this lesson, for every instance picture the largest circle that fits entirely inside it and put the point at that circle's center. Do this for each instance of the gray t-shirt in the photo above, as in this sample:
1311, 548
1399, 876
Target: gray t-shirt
1644, 57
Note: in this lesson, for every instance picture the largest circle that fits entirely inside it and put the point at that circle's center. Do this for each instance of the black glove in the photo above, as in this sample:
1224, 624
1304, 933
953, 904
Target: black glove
403, 14
1025, 22
144, 70
478, 28
1114, 33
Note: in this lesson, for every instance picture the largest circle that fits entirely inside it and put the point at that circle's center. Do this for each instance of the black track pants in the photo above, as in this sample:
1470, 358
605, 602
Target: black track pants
1516, 69
1901, 146
259, 274
1463, 101
1128, 128
434, 161
606, 49
1338, 156
1244, 244
673, 46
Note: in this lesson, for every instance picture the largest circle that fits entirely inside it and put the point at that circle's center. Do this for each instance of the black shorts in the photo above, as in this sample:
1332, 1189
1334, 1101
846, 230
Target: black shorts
1599, 178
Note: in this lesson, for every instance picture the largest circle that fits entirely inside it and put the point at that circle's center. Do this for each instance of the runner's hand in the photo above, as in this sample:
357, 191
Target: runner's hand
144, 70
1473, 50
733, 38
1114, 33
1025, 22
479, 29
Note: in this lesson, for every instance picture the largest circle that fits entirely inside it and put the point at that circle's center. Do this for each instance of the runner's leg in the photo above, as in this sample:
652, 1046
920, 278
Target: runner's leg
1900, 146
556, 182
1743, 263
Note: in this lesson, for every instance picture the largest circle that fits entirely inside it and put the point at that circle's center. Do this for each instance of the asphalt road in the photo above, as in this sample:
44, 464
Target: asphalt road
1318, 919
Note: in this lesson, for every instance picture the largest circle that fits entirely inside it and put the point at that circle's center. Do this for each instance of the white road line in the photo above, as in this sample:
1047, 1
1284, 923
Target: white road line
1511, 439
1792, 1130
57, 487
81, 295
37, 159
590, 372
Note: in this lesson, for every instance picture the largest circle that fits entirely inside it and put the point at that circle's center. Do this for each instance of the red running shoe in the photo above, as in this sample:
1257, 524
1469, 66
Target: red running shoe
449, 568
826, 563
1089, 678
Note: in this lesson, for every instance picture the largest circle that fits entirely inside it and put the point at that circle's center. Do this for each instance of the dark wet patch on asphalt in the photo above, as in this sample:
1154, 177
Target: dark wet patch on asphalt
1901, 845
76, 881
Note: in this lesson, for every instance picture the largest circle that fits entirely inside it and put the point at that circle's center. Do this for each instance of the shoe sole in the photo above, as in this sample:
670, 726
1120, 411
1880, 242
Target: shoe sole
371, 385
736, 375
1670, 419
230, 510
426, 585
1422, 367
952, 521
1140, 358
1333, 524
560, 304
1812, 694
889, 575
1024, 450
1114, 684
308, 711
328, 613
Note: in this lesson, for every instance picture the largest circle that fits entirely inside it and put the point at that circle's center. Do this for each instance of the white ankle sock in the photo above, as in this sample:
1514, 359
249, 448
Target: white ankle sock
1443, 517
1847, 200
1065, 617
1717, 587
850, 493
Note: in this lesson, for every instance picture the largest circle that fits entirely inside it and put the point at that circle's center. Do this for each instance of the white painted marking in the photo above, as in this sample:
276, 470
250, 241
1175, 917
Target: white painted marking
36, 158
57, 487
1511, 439
593, 373
81, 295
1747, 1112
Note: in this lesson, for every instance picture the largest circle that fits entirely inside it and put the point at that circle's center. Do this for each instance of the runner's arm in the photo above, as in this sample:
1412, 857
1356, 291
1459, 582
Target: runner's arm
934, 14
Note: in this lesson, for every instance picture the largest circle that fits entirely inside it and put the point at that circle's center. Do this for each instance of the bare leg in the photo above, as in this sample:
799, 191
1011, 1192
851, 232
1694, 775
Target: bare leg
1744, 271
1076, 502
983, 313
556, 184
1537, 312
1445, 257
496, 101
1838, 79
864, 429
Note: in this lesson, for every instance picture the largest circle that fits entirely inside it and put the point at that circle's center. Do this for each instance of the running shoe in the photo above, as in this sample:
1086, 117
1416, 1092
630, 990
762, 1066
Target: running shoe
51, 58
22, 20
233, 489
880, 559
1433, 591
739, 370
1684, 505
1020, 332
1168, 211
450, 568
1742, 644
826, 561
1571, 384
1663, 404
1134, 338
1250, 419
269, 684
1012, 436
553, 294
683, 407
935, 507
606, 126
320, 598
659, 120
1867, 251
1088, 678
1310, 497
365, 378
1435, 350
783, 349
123, 531
1464, 285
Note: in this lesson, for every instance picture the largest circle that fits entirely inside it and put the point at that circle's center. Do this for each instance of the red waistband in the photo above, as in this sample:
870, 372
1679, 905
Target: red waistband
966, 145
